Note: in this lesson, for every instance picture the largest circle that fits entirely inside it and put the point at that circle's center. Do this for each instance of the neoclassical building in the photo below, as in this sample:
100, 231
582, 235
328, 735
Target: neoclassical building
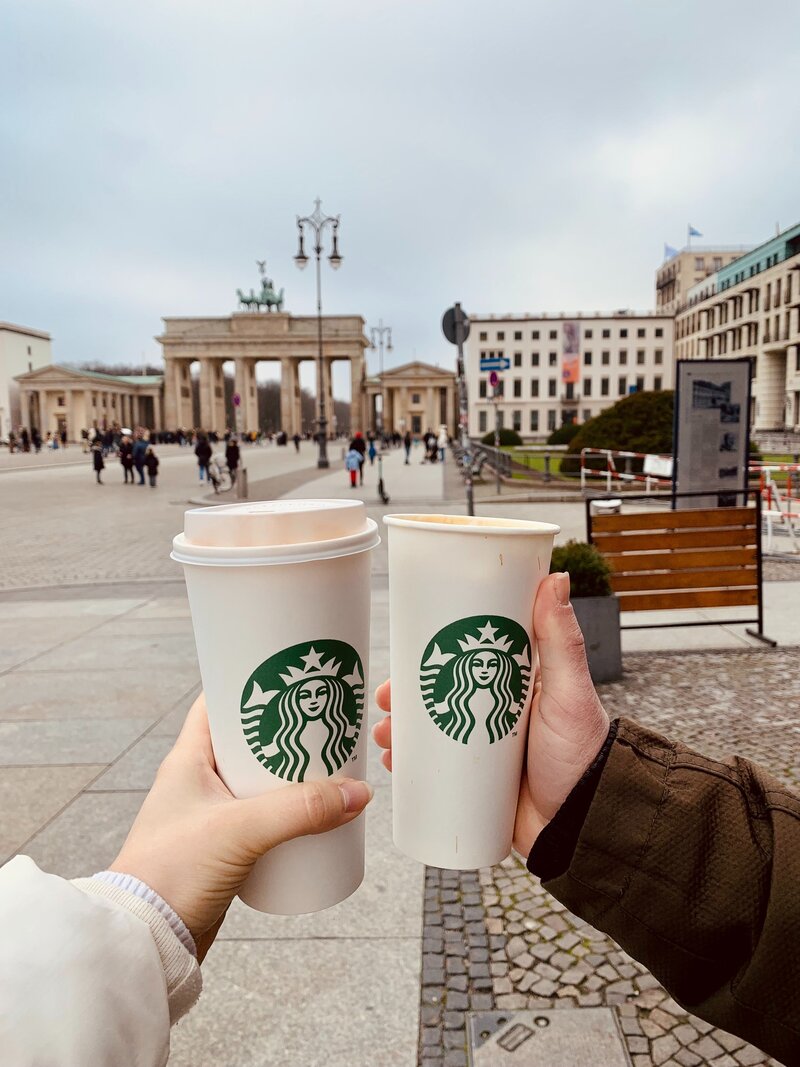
415, 396
246, 338
55, 399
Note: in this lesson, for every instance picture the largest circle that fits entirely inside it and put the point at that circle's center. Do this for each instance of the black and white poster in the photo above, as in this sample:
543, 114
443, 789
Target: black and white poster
711, 442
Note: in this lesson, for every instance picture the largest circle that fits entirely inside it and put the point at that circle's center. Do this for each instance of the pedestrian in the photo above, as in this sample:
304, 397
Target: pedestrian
296, 440
360, 445
372, 452
126, 458
36, 438
97, 460
151, 463
139, 453
12, 441
232, 457
85, 440
203, 452
407, 446
443, 441
25, 438
353, 461
63, 436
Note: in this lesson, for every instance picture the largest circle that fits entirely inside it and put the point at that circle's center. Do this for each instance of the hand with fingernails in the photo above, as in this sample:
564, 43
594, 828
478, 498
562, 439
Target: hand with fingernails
568, 724
195, 844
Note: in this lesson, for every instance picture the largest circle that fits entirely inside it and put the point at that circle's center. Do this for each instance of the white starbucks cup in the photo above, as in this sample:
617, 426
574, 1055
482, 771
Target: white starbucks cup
461, 596
279, 593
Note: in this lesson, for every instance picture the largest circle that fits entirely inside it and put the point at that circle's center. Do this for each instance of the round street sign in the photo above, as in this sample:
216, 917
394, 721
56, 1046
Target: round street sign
449, 325
494, 379
236, 400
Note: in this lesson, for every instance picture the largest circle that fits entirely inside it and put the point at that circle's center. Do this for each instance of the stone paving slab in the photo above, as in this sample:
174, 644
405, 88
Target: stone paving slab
57, 742
146, 651
136, 769
546, 1038
31, 796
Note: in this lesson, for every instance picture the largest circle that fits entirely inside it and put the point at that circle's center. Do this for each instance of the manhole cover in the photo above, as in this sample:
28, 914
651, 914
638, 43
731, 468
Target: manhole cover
572, 1037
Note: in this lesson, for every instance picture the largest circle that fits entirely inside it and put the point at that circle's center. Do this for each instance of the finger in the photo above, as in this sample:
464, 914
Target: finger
386, 759
383, 696
263, 822
562, 655
195, 735
382, 733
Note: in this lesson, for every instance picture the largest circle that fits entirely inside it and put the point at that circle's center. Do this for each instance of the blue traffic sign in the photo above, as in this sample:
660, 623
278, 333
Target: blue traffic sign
495, 363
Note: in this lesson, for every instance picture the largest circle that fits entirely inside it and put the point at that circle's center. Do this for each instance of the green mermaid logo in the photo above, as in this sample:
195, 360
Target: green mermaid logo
301, 710
477, 669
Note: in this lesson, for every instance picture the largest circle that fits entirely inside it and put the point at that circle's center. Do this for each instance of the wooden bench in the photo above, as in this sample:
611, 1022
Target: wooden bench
684, 559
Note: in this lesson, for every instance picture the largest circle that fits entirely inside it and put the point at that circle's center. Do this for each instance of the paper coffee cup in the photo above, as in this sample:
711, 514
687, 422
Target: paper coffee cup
279, 593
461, 595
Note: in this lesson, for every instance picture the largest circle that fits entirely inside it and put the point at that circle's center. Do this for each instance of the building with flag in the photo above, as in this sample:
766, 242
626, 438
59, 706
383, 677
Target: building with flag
750, 308
682, 268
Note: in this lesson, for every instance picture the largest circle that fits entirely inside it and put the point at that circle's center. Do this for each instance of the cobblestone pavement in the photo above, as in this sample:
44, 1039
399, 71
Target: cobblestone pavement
539, 955
777, 569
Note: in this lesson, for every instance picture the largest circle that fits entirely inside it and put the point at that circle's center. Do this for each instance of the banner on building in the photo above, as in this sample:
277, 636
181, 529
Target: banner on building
711, 440
571, 354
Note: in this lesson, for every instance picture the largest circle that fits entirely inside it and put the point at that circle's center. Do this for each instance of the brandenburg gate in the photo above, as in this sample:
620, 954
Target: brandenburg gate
247, 338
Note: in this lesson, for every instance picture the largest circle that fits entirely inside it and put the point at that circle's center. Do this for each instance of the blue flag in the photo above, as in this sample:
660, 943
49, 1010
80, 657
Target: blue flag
669, 251
693, 232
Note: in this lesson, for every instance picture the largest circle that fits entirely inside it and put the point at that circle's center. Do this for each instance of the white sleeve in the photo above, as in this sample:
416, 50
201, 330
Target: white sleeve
87, 976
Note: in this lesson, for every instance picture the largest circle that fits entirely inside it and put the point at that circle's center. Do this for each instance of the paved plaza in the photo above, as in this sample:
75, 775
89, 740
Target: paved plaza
97, 670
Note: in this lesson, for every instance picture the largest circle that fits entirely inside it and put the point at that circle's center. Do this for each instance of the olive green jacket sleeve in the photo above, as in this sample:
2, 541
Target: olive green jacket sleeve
693, 866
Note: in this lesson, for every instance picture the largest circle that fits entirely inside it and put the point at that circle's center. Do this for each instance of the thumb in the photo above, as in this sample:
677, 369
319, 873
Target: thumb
268, 820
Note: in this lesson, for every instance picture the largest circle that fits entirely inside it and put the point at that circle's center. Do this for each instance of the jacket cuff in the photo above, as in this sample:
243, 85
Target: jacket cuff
554, 848
181, 969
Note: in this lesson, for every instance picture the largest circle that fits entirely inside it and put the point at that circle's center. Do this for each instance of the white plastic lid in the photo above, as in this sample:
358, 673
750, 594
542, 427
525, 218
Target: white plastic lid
274, 531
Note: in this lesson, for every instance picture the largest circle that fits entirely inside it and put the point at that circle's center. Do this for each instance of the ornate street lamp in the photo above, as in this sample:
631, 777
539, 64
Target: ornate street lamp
378, 333
316, 223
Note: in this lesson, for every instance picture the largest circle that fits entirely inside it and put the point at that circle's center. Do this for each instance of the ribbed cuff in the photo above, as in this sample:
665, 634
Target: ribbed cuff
141, 889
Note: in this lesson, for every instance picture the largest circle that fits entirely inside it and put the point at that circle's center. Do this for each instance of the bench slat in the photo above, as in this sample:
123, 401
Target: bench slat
674, 520
698, 598
622, 583
621, 563
710, 539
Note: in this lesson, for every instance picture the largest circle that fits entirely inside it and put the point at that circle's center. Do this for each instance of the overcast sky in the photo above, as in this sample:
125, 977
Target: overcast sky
518, 155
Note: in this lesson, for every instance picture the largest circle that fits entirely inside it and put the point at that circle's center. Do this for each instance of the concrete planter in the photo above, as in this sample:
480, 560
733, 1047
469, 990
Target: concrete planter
598, 617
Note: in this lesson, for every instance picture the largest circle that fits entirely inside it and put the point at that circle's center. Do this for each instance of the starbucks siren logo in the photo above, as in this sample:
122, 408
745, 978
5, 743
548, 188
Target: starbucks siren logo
477, 669
303, 708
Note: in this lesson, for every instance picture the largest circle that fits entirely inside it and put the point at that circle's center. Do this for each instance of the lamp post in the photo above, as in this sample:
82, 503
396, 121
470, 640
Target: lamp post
378, 333
316, 223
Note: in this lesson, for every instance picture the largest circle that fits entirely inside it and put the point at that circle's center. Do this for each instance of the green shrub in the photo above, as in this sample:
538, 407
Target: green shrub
508, 438
589, 573
755, 452
564, 434
641, 422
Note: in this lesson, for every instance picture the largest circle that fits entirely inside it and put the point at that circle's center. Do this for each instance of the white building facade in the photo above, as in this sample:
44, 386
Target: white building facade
564, 368
21, 349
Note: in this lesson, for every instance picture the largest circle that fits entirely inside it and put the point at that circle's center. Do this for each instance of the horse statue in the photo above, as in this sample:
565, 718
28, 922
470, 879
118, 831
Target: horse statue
250, 302
269, 298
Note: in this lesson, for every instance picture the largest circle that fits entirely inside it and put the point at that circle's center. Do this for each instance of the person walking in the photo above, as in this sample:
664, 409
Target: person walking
151, 463
372, 452
407, 446
139, 453
97, 460
442, 442
126, 458
232, 457
296, 440
36, 438
203, 452
63, 436
352, 462
360, 445
25, 438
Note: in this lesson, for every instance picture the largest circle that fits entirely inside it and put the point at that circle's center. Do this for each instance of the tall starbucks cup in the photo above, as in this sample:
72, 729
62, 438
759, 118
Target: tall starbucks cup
461, 595
279, 593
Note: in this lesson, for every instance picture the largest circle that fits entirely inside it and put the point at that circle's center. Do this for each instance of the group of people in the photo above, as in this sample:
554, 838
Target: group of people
359, 450
24, 441
136, 453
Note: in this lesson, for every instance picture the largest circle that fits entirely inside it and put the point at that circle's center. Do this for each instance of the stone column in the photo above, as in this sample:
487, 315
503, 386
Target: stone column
158, 412
241, 384
430, 408
220, 414
328, 364
297, 411
250, 399
172, 393
287, 405
206, 394
357, 413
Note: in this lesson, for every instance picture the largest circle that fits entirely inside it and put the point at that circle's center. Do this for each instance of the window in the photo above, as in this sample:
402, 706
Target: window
60, 401
534, 335
482, 336
481, 422
606, 333
586, 414
553, 335
623, 356
113, 401
570, 390
517, 420
604, 387
640, 357
659, 355
587, 386
535, 387
416, 423
501, 419
640, 384
481, 390
623, 332
587, 335
622, 385
517, 335
605, 358
415, 396
657, 382
551, 420
29, 349
699, 263
501, 335
553, 359
94, 400
501, 388
517, 387
534, 422
534, 359
517, 359
587, 359
717, 262
640, 332
552, 387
